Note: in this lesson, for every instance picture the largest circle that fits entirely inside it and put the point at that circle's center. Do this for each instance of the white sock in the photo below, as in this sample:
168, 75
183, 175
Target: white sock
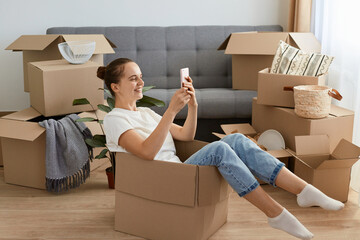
311, 196
288, 223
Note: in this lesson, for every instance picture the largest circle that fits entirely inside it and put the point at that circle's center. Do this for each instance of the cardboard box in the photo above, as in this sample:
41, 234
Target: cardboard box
166, 200
271, 87
328, 171
24, 144
338, 125
55, 84
1, 158
248, 130
254, 51
44, 47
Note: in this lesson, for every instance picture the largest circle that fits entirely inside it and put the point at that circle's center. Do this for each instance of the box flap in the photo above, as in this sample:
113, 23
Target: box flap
282, 153
156, 180
253, 43
339, 111
244, 128
213, 187
306, 41
184, 149
32, 42
336, 163
21, 130
346, 150
219, 135
103, 45
224, 43
312, 144
23, 115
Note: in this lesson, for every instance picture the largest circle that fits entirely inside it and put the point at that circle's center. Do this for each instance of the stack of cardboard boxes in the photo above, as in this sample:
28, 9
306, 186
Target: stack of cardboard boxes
53, 84
323, 149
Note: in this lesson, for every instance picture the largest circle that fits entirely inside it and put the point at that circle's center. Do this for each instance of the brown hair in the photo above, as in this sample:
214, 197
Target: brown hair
113, 72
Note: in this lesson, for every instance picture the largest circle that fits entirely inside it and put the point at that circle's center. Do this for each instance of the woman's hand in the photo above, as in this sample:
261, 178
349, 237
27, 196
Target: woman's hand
179, 100
191, 91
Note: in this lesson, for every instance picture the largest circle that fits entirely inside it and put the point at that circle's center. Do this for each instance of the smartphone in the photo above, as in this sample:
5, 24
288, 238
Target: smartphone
184, 72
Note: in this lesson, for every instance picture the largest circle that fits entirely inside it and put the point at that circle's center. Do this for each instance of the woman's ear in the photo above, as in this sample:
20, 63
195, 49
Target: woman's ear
115, 87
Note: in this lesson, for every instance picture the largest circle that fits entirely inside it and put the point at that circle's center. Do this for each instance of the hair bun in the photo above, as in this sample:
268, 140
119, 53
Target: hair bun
101, 72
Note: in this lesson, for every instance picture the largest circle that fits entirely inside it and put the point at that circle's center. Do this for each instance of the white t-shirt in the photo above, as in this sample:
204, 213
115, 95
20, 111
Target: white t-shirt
143, 121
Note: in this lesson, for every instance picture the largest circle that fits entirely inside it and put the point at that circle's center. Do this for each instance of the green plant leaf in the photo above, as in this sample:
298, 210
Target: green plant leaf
94, 143
143, 104
104, 108
80, 101
85, 119
100, 138
101, 121
102, 154
111, 102
154, 101
147, 88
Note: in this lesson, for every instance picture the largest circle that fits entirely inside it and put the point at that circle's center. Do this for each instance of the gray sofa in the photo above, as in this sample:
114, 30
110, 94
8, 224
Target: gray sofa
162, 51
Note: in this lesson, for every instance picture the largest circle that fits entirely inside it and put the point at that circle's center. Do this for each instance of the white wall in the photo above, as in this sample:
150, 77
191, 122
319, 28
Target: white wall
19, 17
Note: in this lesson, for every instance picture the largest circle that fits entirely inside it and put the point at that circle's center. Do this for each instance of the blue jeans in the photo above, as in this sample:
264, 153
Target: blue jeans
238, 159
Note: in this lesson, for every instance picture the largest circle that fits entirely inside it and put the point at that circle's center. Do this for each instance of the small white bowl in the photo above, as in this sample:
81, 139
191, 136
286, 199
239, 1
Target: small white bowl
77, 52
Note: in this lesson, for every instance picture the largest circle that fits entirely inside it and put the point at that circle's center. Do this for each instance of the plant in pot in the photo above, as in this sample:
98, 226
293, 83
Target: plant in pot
99, 140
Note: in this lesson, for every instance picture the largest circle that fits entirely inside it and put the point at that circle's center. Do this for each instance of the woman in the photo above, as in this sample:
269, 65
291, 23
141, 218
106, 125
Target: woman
146, 134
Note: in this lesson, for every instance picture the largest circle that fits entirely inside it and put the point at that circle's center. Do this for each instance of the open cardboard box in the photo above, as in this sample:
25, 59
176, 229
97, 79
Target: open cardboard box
55, 84
326, 170
246, 129
271, 87
44, 47
254, 51
338, 125
165, 200
1, 158
23, 143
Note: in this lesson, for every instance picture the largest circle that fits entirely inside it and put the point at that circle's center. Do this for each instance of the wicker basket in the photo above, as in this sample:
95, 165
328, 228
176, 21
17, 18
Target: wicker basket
313, 101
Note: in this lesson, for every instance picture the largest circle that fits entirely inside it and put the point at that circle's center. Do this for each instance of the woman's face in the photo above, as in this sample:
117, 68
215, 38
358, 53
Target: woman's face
131, 83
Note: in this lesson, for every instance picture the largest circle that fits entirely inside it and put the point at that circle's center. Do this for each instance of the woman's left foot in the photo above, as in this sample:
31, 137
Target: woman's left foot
311, 196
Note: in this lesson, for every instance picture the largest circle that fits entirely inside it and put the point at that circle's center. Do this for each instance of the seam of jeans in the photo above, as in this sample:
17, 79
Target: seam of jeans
275, 173
231, 173
210, 156
250, 189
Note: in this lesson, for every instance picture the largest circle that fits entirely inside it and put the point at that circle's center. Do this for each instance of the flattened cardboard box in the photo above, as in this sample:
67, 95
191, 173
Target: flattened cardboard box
24, 146
165, 200
271, 87
44, 47
55, 84
338, 125
254, 51
328, 171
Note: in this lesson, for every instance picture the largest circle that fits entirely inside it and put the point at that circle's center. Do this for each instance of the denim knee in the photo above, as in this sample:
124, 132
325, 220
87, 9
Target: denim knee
235, 137
219, 148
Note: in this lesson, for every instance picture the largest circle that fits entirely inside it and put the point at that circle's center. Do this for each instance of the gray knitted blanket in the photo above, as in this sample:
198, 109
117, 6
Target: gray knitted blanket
67, 154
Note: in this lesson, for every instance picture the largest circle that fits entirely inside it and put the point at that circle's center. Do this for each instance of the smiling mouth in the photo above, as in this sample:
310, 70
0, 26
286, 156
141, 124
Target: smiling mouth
138, 90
